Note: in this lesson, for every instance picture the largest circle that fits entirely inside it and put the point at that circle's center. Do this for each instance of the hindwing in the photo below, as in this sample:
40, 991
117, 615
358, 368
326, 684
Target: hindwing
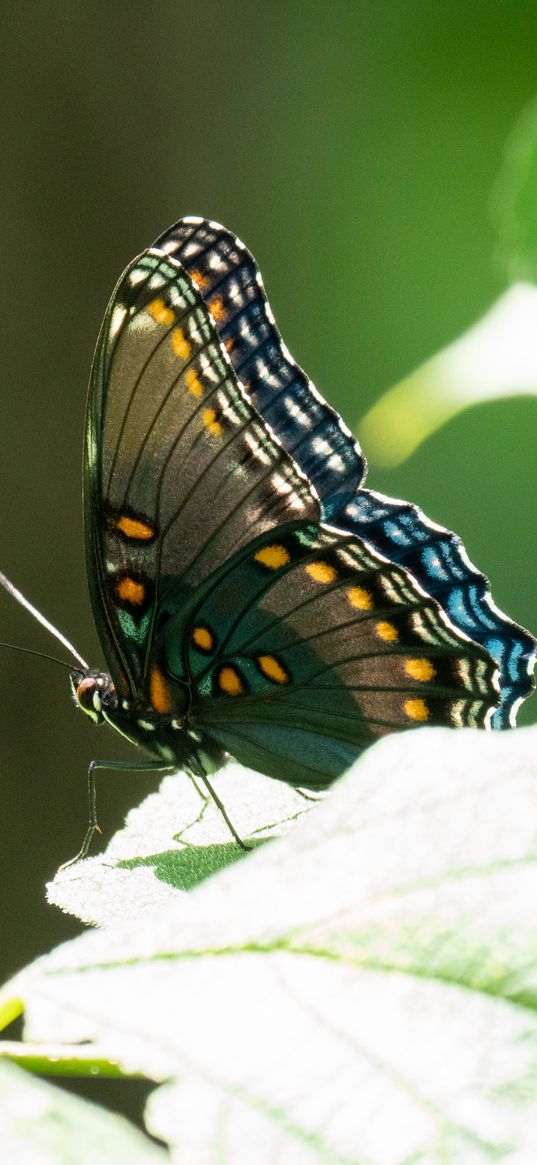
309, 646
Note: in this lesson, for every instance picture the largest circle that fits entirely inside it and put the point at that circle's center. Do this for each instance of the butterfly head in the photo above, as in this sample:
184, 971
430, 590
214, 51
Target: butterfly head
94, 692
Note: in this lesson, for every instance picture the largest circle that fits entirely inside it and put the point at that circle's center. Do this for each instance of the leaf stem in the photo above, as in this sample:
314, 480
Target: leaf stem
51, 1060
11, 1007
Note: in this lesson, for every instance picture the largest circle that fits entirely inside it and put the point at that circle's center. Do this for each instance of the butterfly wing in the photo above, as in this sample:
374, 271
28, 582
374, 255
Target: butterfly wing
213, 575
438, 560
230, 281
180, 471
310, 646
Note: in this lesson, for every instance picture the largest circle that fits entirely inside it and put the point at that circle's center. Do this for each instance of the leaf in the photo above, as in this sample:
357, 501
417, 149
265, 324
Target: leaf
495, 358
515, 200
362, 990
172, 842
44, 1125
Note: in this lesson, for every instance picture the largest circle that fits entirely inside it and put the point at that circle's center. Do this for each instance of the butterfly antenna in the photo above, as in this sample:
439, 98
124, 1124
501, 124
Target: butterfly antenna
43, 655
16, 594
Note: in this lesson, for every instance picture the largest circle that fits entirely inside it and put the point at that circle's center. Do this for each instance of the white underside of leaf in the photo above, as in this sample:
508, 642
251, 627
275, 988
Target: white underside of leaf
362, 990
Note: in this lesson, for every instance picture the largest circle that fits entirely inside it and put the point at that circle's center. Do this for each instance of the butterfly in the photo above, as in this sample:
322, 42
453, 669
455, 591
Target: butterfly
252, 598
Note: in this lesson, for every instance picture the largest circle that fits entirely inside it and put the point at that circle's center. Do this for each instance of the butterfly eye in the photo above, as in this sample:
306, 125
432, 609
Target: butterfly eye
90, 694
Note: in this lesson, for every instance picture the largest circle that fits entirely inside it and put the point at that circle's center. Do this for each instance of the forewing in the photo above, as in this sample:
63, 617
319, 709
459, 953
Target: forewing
309, 428
180, 471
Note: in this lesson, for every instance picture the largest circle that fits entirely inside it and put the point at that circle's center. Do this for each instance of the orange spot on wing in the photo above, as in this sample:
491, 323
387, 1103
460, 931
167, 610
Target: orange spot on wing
417, 710
273, 669
321, 572
160, 313
273, 556
230, 681
160, 694
360, 598
180, 344
193, 382
420, 669
388, 632
212, 425
202, 638
217, 309
198, 279
130, 591
228, 344
134, 528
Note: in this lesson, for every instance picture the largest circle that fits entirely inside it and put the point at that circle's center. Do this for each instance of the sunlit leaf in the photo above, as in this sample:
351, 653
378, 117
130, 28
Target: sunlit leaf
173, 841
43, 1125
363, 989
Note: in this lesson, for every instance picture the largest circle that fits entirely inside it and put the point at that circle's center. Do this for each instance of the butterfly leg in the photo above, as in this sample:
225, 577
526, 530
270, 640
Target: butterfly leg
118, 765
205, 802
201, 794
219, 804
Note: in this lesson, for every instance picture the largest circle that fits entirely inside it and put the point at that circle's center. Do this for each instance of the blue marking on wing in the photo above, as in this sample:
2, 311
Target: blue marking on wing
439, 563
309, 428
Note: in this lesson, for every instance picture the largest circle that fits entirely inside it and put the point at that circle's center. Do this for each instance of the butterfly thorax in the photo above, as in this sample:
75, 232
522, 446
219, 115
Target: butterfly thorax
173, 739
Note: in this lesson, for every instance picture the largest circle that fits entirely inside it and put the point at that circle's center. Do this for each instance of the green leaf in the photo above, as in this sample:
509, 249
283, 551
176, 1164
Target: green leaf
172, 842
44, 1125
495, 358
361, 990
515, 200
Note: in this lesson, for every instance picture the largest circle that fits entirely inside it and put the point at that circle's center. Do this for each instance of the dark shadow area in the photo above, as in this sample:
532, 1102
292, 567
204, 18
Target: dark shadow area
186, 868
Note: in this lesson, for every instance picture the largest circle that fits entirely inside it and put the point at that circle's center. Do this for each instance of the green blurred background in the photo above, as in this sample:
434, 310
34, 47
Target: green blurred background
353, 146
